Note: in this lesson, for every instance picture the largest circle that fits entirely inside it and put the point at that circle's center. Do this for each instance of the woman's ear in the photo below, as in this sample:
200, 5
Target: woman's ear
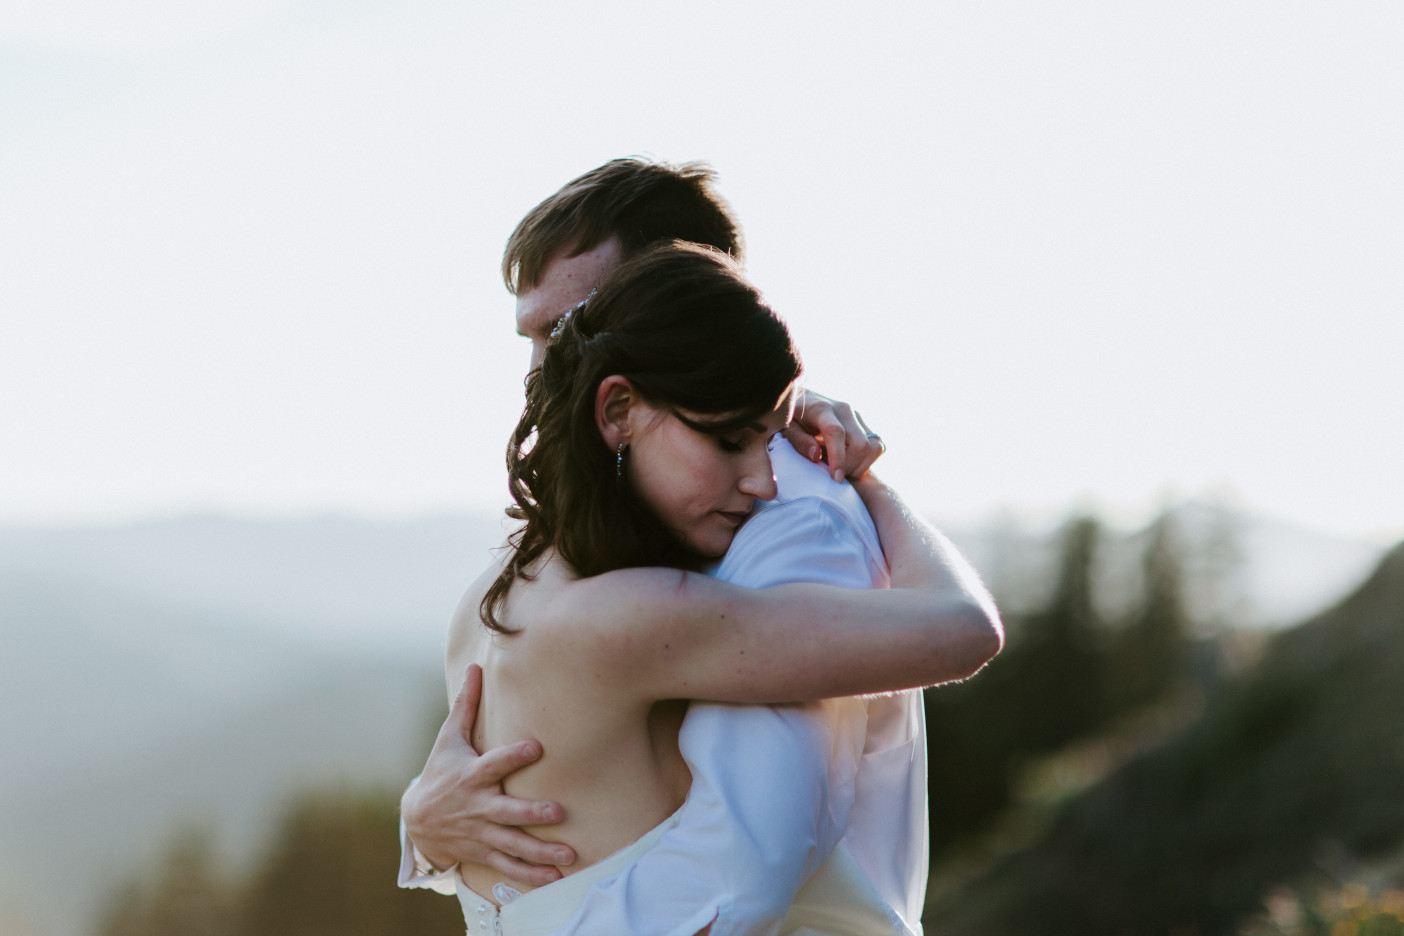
614, 397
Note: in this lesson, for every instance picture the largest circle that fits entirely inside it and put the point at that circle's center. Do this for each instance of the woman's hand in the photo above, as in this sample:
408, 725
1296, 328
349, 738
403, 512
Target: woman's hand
832, 428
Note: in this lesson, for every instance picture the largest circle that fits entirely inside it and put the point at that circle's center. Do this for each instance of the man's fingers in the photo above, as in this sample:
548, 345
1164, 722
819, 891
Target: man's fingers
520, 872
523, 857
518, 844
509, 758
510, 811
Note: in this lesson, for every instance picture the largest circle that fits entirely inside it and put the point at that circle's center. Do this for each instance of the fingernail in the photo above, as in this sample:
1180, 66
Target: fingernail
564, 857
838, 475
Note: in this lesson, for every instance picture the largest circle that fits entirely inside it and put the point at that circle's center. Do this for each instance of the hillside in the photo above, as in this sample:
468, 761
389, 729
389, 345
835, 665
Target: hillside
1295, 768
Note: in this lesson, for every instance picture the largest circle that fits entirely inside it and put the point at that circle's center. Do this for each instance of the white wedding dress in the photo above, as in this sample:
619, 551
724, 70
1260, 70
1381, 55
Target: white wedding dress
544, 910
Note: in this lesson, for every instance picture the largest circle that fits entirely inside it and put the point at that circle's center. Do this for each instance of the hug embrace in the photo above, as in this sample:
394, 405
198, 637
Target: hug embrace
686, 694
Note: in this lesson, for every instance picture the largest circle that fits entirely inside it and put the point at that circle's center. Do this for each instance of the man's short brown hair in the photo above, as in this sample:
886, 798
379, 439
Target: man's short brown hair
638, 201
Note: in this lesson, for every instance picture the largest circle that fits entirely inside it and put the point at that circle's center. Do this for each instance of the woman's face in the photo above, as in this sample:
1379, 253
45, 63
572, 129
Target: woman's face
702, 486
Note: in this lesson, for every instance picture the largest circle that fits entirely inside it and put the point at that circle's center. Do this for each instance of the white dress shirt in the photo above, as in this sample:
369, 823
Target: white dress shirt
801, 819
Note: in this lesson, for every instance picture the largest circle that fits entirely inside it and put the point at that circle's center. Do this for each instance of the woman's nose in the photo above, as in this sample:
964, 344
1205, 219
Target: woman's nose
759, 480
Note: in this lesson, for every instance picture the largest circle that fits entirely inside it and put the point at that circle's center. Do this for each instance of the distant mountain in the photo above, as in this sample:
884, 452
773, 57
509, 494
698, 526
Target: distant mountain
1296, 768
84, 660
388, 586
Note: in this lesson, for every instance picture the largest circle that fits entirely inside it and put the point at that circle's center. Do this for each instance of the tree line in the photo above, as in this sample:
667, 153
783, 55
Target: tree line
329, 872
1068, 672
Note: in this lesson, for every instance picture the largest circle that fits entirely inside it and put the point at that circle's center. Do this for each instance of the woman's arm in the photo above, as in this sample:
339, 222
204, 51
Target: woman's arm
657, 633
919, 556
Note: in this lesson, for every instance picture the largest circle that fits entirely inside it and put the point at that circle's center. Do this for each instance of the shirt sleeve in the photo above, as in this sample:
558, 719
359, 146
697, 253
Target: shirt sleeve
415, 870
772, 786
805, 540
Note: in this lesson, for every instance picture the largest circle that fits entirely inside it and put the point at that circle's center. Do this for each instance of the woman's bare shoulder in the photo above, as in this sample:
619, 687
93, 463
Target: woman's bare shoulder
633, 620
625, 598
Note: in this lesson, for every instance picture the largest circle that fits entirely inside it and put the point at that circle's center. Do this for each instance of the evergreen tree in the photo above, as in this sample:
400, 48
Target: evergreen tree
1151, 653
1046, 689
1062, 669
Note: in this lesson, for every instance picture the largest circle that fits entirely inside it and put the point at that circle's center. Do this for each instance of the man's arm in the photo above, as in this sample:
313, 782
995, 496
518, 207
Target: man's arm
455, 809
772, 786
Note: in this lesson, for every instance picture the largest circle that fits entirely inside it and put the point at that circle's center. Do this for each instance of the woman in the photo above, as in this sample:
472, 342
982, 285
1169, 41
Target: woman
641, 450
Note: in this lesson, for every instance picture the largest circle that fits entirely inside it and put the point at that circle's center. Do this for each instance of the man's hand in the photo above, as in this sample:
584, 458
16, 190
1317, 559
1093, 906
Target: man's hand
830, 427
457, 811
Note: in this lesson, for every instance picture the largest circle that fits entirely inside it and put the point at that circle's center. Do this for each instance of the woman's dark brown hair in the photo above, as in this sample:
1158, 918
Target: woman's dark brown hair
691, 335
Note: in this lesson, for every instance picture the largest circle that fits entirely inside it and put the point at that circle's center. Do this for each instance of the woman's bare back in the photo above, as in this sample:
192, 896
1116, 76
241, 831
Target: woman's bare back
613, 764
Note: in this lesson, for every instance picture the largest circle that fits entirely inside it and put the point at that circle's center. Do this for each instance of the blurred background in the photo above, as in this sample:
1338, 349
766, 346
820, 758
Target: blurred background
1121, 288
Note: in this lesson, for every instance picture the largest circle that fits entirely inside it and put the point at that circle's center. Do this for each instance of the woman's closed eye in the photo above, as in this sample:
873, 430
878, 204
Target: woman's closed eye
731, 445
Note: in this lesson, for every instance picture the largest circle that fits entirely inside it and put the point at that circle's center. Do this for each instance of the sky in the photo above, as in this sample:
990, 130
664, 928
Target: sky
1061, 256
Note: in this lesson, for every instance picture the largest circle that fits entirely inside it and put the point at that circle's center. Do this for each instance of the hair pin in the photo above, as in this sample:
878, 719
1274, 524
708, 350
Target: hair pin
564, 320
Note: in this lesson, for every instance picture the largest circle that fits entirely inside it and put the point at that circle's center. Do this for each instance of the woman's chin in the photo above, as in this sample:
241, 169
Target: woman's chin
711, 547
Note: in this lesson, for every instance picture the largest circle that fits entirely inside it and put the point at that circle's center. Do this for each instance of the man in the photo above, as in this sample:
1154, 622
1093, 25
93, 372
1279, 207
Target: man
832, 793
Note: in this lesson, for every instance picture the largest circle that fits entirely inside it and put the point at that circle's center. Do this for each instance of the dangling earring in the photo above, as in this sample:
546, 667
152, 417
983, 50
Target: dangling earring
619, 465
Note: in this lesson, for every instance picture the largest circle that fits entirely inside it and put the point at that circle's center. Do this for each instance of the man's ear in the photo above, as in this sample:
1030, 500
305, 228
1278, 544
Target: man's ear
614, 397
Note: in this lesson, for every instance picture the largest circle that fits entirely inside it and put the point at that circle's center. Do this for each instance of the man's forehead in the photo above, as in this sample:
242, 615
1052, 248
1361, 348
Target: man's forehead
564, 282
538, 312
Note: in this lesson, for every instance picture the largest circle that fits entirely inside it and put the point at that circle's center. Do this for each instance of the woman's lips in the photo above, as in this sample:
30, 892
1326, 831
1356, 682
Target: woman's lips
737, 517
